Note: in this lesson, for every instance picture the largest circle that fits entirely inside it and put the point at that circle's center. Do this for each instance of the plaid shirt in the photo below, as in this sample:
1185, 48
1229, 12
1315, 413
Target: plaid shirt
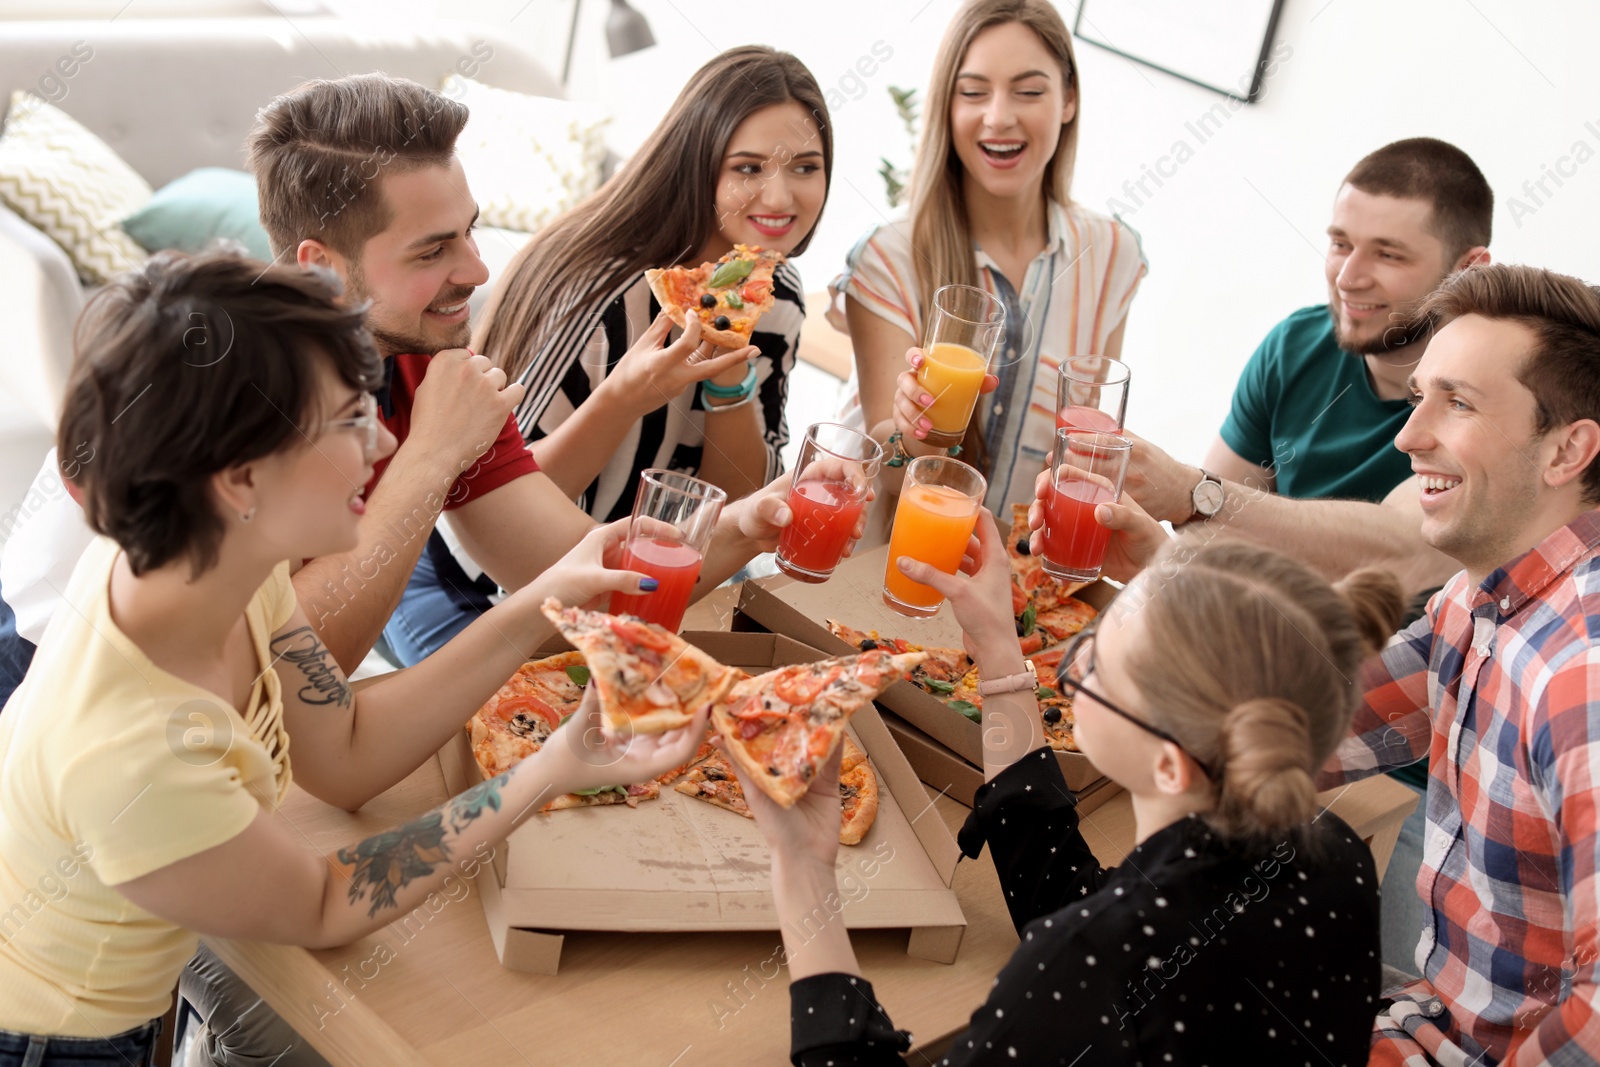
1499, 686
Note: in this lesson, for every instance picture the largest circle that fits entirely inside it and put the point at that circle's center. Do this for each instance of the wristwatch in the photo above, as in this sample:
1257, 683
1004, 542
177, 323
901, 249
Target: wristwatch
1028, 680
1206, 496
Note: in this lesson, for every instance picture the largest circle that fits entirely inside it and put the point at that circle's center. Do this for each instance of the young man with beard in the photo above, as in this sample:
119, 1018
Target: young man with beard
1317, 407
1499, 679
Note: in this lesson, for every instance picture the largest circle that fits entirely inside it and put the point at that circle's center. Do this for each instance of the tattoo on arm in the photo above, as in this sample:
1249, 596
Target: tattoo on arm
383, 865
325, 682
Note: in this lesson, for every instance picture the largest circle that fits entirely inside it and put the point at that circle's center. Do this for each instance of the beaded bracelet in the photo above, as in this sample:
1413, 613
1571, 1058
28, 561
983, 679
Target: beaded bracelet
898, 454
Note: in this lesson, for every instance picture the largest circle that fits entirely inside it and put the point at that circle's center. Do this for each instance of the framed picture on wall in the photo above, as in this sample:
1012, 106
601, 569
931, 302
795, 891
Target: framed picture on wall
1221, 45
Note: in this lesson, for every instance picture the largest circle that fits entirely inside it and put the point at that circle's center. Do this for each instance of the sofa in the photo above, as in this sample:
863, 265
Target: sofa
171, 95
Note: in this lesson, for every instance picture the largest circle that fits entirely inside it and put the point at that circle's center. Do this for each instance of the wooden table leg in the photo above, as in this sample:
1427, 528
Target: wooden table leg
1382, 844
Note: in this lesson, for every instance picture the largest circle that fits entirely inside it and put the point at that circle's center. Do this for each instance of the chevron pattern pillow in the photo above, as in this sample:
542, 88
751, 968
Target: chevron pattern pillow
70, 184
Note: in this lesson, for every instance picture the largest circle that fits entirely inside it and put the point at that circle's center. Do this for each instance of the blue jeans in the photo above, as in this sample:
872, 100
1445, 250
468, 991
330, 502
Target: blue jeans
439, 602
131, 1048
239, 1029
1401, 915
15, 652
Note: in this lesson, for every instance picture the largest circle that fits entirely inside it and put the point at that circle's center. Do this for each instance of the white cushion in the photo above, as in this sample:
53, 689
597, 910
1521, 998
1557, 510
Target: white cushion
69, 184
529, 158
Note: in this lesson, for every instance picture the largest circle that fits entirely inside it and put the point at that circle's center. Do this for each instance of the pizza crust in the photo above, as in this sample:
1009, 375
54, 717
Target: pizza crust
865, 781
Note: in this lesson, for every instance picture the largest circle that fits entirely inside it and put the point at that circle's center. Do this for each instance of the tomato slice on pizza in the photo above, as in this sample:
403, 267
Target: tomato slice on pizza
650, 680
727, 296
779, 727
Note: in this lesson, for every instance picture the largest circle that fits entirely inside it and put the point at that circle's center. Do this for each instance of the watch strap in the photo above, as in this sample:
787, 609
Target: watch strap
1012, 683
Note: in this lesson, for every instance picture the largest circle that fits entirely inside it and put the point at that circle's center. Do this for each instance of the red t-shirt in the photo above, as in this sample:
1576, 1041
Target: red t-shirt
506, 459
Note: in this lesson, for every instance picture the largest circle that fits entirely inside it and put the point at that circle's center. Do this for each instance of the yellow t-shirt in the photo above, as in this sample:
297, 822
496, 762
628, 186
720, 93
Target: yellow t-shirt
111, 768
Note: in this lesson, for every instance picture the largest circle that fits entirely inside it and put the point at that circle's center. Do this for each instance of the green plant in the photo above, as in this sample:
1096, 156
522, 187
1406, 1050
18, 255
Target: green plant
896, 179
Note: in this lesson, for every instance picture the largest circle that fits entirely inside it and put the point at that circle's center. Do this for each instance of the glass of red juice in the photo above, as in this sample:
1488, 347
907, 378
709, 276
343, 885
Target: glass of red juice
674, 516
1086, 470
1092, 394
832, 475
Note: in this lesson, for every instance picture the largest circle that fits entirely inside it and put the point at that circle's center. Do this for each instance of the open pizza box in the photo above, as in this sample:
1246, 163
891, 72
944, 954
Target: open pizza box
678, 864
947, 774
854, 595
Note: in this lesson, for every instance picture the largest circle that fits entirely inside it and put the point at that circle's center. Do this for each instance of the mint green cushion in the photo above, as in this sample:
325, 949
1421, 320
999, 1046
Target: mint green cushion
188, 213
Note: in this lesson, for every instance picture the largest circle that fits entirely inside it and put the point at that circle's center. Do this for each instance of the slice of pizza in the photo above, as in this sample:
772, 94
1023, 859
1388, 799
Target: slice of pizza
728, 296
650, 680
858, 796
631, 795
779, 727
935, 674
712, 780
1065, 619
517, 721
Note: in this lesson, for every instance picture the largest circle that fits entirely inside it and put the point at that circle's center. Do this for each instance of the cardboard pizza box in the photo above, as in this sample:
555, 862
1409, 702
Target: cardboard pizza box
949, 775
854, 595
679, 864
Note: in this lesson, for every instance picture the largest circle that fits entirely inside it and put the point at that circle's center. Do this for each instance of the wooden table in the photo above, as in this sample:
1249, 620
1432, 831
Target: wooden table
434, 993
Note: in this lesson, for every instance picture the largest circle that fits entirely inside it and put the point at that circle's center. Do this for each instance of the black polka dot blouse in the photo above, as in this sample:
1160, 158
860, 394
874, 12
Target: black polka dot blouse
1192, 951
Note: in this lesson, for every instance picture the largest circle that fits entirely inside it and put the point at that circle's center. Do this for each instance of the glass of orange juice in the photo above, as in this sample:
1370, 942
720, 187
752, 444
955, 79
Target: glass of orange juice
964, 333
938, 508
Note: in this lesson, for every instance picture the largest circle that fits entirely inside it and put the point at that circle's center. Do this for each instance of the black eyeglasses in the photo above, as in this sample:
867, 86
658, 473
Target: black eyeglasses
1077, 662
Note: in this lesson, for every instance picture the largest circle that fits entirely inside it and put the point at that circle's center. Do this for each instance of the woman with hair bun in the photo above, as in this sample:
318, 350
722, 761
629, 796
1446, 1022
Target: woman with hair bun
1243, 926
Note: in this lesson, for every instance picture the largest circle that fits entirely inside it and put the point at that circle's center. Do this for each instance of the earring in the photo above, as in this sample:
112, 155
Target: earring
246, 516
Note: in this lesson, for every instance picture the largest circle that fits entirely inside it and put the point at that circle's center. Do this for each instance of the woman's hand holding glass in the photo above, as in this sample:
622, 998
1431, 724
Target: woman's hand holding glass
912, 400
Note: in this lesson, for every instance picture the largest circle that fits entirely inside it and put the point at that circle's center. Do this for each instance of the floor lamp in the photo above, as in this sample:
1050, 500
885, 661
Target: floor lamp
626, 32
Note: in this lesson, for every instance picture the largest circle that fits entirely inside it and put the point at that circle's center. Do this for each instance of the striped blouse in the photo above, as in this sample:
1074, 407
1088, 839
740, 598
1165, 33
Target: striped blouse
1074, 296
572, 366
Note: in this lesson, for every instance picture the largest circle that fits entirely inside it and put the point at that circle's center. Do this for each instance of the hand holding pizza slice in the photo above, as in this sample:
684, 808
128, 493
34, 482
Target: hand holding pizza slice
727, 296
649, 679
778, 728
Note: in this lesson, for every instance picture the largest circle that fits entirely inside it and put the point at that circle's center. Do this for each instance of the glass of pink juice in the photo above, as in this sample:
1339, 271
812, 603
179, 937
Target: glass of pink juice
674, 516
832, 476
1087, 468
1092, 394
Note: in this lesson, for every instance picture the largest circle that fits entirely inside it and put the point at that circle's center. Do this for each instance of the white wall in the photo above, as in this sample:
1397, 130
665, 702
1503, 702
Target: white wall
1235, 236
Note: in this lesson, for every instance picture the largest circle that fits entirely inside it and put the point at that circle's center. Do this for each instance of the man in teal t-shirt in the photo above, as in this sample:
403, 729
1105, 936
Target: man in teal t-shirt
1307, 411
1316, 410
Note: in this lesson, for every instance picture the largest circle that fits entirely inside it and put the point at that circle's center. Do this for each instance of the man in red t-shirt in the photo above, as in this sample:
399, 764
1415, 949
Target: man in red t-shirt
360, 176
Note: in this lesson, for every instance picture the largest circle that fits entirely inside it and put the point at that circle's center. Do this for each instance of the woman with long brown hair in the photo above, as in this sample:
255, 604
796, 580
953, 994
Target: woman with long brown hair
743, 157
1243, 926
991, 207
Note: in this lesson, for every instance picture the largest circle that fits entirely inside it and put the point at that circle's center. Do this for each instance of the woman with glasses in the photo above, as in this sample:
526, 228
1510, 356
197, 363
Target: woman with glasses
1243, 926
148, 748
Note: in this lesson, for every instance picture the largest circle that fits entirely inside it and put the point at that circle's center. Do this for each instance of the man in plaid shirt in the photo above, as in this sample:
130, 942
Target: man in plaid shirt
1499, 683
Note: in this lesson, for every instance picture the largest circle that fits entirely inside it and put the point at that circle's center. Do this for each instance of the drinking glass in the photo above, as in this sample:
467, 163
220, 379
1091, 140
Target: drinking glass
674, 516
938, 508
827, 495
1086, 469
1092, 394
964, 332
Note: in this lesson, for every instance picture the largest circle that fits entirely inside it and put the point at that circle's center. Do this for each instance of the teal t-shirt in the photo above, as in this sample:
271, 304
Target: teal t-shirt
1304, 407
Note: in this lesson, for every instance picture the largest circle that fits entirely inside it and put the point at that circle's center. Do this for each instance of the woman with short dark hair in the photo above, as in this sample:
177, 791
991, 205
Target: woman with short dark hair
225, 409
